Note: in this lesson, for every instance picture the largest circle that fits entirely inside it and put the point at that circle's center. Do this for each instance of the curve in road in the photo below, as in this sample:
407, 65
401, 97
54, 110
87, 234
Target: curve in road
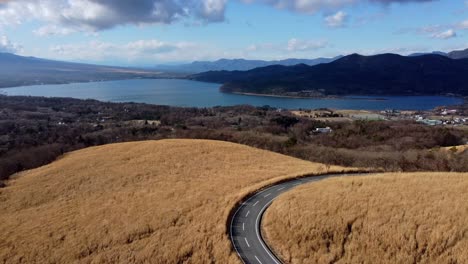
245, 230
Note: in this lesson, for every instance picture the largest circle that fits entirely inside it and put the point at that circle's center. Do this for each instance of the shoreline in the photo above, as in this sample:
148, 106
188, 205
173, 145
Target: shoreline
2, 95
90, 81
330, 97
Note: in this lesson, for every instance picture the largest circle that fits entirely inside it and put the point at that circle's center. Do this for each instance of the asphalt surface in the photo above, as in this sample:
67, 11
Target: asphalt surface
245, 230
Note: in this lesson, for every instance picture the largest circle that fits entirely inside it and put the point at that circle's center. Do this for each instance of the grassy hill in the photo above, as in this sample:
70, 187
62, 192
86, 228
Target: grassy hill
390, 218
162, 201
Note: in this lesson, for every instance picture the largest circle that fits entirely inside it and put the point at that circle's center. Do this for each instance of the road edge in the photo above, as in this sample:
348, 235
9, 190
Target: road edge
236, 207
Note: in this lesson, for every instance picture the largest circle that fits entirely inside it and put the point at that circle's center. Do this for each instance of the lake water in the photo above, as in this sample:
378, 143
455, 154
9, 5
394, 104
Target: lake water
199, 94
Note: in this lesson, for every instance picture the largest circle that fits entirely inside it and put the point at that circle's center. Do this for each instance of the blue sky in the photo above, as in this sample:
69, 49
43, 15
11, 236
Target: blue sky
149, 32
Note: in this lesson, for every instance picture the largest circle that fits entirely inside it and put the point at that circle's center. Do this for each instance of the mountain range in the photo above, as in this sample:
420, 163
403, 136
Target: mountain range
238, 64
19, 70
245, 65
456, 54
323, 75
385, 74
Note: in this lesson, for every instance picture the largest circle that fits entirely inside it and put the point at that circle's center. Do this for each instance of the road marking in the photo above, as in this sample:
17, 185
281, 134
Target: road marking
255, 203
236, 243
232, 224
257, 228
297, 184
247, 242
232, 237
267, 195
248, 212
243, 226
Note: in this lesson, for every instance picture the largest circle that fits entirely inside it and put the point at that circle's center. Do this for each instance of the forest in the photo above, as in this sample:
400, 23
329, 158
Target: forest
35, 131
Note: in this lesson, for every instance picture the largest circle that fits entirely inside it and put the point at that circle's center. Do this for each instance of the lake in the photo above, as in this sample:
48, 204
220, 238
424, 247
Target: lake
200, 94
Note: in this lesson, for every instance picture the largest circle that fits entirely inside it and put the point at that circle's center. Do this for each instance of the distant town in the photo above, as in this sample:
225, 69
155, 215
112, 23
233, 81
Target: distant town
442, 116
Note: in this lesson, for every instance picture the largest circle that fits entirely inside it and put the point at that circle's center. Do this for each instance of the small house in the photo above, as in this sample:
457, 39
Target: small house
323, 130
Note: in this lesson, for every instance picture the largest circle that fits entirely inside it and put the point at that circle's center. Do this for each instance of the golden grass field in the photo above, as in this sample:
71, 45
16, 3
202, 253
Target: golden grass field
162, 201
388, 218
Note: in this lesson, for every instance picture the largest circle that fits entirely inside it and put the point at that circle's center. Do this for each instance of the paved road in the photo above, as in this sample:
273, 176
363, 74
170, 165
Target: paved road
245, 230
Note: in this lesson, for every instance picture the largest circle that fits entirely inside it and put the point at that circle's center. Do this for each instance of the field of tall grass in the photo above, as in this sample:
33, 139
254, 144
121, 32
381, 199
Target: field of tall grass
388, 218
162, 201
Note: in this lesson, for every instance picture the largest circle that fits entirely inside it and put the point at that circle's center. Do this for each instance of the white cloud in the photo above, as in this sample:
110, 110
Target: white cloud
104, 50
295, 45
261, 47
450, 33
463, 25
7, 46
308, 6
212, 10
314, 6
336, 20
151, 51
50, 30
436, 31
395, 50
66, 16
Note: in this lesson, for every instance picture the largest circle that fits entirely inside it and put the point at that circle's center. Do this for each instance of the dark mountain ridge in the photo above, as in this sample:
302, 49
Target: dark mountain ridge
385, 74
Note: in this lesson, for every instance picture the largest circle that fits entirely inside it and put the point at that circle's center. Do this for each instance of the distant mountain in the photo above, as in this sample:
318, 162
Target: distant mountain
18, 70
238, 64
386, 74
459, 54
429, 53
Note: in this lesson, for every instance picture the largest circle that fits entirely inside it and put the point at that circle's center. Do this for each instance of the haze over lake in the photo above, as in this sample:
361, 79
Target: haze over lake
199, 94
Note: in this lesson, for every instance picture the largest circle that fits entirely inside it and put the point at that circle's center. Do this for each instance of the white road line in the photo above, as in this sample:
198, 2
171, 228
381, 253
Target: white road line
247, 242
232, 237
255, 203
267, 195
232, 223
297, 184
257, 222
259, 238
243, 226
248, 212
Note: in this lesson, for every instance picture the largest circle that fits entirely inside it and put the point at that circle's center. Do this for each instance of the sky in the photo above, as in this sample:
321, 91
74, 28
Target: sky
151, 32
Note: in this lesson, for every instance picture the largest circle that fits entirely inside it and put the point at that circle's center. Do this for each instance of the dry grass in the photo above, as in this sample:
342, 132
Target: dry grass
148, 202
390, 218
456, 149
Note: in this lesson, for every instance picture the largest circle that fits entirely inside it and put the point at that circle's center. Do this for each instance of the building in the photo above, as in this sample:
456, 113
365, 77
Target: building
323, 130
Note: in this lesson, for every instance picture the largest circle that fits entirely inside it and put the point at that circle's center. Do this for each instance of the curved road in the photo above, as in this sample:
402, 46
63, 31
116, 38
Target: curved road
245, 229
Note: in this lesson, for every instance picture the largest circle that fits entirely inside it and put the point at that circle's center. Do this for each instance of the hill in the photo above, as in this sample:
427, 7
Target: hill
427, 53
238, 64
391, 218
458, 54
162, 201
386, 74
20, 70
